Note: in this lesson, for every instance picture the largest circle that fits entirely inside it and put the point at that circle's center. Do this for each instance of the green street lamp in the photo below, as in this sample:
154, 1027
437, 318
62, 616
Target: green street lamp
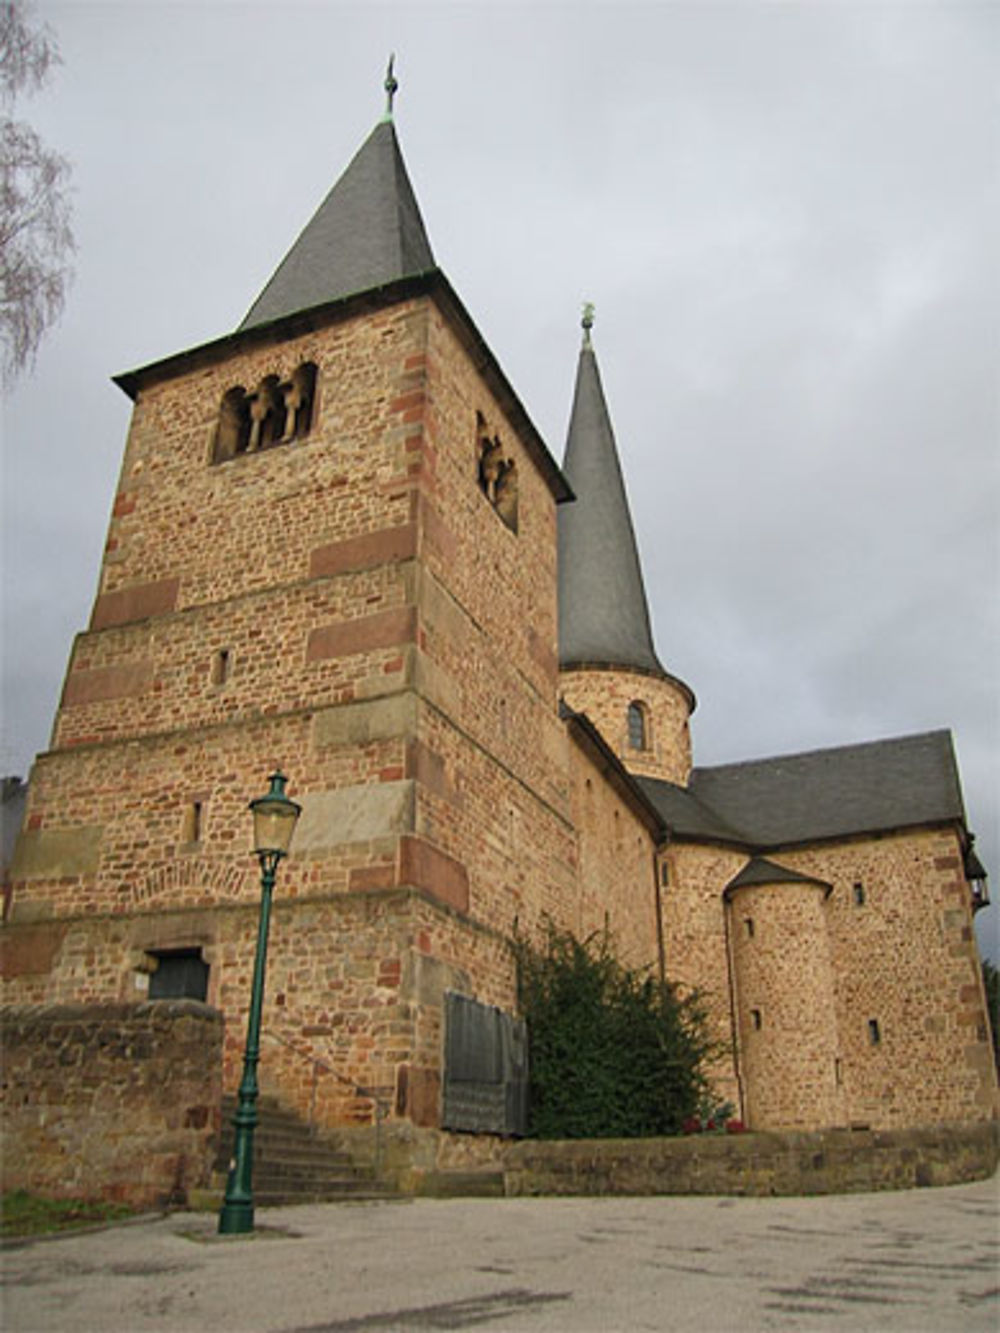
274, 818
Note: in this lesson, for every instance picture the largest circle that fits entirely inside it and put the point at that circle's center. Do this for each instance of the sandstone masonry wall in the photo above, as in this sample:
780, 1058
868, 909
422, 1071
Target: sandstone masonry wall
605, 694
616, 867
309, 606
117, 1102
786, 1027
828, 1162
904, 958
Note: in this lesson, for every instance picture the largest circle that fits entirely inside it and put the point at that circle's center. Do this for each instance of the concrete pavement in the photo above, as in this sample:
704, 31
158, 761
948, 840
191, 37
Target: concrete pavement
915, 1261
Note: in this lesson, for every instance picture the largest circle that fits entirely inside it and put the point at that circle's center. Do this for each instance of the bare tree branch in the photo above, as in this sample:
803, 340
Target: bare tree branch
36, 238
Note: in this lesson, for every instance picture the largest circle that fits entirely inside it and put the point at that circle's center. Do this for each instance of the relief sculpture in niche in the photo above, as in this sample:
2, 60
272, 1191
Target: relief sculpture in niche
276, 412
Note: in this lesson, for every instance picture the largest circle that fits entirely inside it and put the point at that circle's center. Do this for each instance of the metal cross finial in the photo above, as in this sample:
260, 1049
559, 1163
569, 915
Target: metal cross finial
587, 321
391, 85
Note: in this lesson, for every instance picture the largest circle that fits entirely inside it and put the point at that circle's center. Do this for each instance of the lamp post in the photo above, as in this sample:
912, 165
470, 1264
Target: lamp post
274, 817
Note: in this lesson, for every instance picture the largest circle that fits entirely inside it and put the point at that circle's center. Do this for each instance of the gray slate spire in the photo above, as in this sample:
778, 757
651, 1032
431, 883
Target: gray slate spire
367, 232
603, 616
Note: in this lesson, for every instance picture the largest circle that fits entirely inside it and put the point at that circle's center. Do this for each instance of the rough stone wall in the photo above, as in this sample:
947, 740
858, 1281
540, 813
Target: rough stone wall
786, 1027
695, 945
118, 1102
789, 1163
353, 998
604, 695
257, 521
505, 580
905, 957
616, 857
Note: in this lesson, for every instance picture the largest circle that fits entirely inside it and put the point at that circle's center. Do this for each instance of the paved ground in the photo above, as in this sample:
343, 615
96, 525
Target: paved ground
921, 1260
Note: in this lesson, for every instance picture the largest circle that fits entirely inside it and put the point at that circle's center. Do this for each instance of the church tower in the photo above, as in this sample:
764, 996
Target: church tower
327, 527
608, 665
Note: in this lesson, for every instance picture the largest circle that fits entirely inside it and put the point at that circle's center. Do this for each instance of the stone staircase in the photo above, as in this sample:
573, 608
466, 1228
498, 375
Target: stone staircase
292, 1163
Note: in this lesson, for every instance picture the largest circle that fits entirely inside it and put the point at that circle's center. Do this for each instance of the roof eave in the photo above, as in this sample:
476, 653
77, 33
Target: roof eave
657, 673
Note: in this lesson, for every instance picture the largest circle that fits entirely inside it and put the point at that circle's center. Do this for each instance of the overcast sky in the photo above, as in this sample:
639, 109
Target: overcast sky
786, 215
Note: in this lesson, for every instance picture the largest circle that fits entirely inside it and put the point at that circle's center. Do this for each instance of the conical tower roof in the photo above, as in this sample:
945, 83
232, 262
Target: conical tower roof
603, 615
367, 232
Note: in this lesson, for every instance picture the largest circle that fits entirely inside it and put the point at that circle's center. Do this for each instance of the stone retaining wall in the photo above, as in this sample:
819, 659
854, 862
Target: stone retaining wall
838, 1161
111, 1101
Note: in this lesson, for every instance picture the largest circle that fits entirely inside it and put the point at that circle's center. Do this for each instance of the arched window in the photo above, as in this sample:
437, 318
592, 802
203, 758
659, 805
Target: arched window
505, 502
232, 432
638, 731
497, 475
267, 414
299, 394
276, 412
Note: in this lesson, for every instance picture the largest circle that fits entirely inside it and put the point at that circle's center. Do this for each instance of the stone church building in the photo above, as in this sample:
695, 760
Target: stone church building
339, 545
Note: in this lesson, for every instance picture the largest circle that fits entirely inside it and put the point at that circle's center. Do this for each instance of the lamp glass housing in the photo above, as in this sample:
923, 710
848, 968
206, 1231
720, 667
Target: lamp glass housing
274, 818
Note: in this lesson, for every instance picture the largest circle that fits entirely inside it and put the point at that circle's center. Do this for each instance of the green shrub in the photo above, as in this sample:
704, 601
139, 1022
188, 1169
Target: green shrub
613, 1052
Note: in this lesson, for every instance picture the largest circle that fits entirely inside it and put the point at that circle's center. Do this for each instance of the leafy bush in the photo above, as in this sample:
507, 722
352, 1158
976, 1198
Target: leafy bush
613, 1052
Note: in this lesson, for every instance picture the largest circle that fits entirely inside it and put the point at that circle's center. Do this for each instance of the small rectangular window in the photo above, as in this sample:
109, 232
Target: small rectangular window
756, 1019
181, 974
859, 894
664, 874
874, 1032
749, 925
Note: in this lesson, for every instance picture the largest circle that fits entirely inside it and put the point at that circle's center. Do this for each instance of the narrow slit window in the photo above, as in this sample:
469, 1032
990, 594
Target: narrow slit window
751, 929
221, 663
756, 1019
193, 818
874, 1031
859, 894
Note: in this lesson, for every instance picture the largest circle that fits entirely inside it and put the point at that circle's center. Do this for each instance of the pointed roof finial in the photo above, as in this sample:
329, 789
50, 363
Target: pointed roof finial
391, 86
587, 322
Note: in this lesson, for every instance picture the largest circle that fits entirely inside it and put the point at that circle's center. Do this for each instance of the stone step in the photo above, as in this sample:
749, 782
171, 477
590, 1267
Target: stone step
294, 1164
288, 1150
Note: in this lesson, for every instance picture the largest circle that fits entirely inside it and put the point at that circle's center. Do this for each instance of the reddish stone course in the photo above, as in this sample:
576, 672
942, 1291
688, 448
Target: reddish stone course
384, 630
424, 866
138, 602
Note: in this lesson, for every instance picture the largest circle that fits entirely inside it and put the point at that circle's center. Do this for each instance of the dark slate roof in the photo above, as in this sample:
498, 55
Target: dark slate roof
603, 616
685, 815
796, 798
758, 870
367, 232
